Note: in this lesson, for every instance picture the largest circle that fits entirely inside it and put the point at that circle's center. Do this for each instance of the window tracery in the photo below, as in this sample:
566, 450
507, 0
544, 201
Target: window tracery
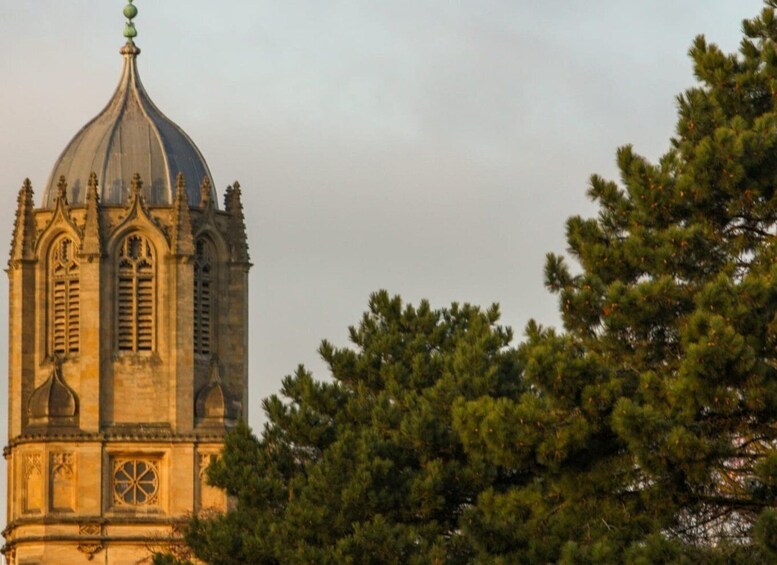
136, 296
65, 297
135, 482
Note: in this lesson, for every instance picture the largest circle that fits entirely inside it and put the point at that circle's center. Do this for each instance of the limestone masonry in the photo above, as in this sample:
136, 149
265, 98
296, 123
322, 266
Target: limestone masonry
128, 294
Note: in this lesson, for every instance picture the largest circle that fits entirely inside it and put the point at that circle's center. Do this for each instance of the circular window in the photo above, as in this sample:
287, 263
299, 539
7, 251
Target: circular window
135, 483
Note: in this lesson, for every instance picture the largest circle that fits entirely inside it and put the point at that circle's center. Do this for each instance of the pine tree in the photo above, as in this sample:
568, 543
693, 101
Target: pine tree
654, 414
644, 431
365, 467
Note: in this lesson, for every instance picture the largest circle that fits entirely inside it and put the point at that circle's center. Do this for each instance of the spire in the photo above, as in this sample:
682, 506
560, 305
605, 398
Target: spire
24, 225
183, 243
237, 230
91, 247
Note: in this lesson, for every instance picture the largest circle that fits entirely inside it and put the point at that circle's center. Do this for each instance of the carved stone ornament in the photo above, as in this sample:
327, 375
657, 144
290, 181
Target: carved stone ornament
32, 464
205, 460
32, 494
91, 547
62, 482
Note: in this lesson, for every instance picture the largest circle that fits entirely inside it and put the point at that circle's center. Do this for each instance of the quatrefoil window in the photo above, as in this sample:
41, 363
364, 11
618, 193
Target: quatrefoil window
135, 482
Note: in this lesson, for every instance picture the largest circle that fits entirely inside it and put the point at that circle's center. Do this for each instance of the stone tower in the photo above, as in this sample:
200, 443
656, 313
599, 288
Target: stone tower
128, 338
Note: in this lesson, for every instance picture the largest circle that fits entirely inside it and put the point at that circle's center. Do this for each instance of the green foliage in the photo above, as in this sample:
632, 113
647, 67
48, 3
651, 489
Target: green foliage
644, 432
676, 297
164, 559
366, 467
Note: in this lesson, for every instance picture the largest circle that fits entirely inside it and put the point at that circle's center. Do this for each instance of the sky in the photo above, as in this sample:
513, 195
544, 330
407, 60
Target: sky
433, 148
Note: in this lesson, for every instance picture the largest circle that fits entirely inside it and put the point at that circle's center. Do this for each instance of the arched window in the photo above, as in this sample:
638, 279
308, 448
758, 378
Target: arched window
65, 297
136, 295
203, 298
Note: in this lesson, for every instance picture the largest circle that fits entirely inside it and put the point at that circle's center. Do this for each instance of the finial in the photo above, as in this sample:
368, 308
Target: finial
23, 240
182, 241
62, 188
130, 11
180, 184
205, 192
234, 207
215, 370
136, 185
90, 245
92, 184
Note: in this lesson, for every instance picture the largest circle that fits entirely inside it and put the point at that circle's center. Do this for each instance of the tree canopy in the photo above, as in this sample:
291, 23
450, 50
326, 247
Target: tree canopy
644, 431
367, 467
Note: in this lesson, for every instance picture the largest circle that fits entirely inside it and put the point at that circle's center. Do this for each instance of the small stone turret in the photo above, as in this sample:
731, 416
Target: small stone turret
53, 403
23, 240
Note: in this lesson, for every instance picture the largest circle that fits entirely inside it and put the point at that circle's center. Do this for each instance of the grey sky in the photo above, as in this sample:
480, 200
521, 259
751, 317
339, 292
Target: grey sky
433, 148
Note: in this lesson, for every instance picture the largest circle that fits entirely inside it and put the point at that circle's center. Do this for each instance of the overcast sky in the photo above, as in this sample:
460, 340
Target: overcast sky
434, 148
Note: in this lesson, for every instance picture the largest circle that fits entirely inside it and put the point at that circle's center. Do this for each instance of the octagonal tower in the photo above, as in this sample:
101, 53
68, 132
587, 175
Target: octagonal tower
128, 338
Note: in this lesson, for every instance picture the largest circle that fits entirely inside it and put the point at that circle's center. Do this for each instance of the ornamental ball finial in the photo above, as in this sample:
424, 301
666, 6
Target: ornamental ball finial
129, 31
130, 11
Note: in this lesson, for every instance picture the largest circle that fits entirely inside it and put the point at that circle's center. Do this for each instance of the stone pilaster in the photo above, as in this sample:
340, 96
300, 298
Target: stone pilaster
91, 301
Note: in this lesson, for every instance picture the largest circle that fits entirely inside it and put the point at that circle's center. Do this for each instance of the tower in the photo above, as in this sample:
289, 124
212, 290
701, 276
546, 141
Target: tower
128, 338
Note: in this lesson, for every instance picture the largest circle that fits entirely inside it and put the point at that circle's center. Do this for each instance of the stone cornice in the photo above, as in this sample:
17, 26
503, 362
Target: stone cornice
115, 437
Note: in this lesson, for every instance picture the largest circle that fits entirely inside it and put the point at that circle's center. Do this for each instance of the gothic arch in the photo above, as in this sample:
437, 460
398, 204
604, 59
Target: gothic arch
59, 223
59, 228
206, 290
136, 278
63, 292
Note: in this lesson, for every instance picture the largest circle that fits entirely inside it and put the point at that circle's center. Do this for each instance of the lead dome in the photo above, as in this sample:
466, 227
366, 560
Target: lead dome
131, 135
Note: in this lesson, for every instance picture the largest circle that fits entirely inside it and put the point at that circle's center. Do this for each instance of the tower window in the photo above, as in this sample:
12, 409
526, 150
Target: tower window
203, 298
135, 482
136, 295
65, 298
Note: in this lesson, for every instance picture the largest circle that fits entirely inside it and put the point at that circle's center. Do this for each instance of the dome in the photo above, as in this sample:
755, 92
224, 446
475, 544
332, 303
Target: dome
129, 136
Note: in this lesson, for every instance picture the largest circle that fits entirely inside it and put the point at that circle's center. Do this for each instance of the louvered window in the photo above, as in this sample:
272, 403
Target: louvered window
136, 295
65, 298
203, 298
